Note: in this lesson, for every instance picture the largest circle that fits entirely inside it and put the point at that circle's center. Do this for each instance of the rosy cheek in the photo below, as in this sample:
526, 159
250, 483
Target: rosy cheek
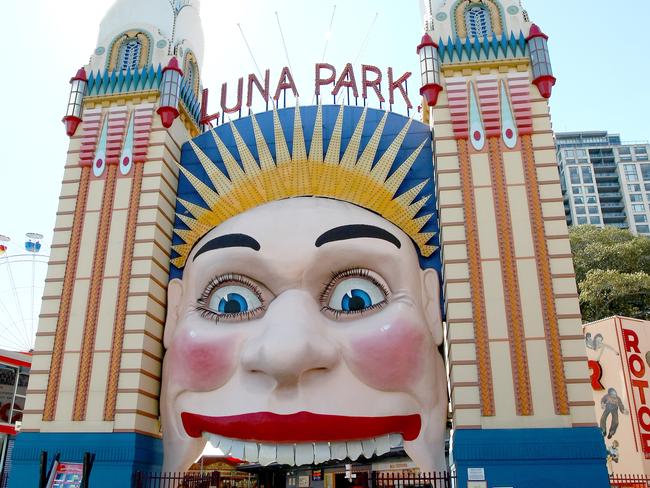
389, 357
203, 362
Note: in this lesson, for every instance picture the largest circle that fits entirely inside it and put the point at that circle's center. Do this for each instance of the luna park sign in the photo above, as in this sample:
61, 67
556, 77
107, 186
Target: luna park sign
370, 81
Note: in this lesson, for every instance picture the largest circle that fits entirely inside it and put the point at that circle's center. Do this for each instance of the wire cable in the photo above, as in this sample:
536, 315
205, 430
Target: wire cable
250, 51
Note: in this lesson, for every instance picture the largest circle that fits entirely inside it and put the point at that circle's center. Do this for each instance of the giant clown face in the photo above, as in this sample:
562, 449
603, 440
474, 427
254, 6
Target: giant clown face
304, 330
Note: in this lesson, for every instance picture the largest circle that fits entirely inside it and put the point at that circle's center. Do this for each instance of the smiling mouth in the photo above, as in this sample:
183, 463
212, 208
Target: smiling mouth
302, 438
300, 427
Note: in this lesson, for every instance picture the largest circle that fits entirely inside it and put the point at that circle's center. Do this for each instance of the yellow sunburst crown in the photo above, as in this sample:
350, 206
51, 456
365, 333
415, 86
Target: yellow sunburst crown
351, 177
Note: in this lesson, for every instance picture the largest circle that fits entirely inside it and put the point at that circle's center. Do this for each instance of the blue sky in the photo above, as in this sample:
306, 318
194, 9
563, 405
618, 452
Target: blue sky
598, 49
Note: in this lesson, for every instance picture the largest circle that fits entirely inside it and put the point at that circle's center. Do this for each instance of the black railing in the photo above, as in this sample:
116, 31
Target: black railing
4, 480
629, 481
413, 480
176, 480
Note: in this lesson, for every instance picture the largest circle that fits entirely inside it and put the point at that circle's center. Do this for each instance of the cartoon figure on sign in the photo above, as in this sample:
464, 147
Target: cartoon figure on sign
303, 319
612, 452
597, 344
611, 405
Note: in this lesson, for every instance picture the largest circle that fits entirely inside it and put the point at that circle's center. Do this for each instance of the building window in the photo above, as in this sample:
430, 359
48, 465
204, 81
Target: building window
577, 190
581, 210
636, 197
631, 173
591, 200
643, 219
477, 21
590, 190
578, 200
582, 220
638, 207
586, 175
593, 210
575, 176
643, 229
130, 55
645, 171
633, 187
594, 220
647, 187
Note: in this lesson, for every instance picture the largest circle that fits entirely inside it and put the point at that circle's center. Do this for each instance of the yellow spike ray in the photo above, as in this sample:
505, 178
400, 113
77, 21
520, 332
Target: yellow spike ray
271, 180
218, 179
208, 196
193, 224
251, 168
316, 150
235, 172
385, 163
334, 148
196, 211
299, 146
427, 251
352, 151
368, 157
406, 198
266, 160
397, 178
282, 156
414, 208
187, 235
300, 177
179, 262
421, 221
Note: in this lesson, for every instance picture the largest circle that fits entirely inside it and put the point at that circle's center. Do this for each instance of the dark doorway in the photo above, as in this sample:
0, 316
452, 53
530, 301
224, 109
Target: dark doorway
360, 481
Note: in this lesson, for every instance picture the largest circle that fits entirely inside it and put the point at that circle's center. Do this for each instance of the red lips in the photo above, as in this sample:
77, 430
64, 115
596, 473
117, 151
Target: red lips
301, 426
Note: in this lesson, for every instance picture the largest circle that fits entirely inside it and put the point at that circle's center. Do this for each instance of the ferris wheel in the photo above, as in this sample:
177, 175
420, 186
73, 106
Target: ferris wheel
22, 278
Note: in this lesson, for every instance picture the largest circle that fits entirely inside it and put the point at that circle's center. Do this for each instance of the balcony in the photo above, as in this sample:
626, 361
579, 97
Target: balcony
604, 168
620, 225
614, 217
610, 197
612, 206
608, 187
609, 176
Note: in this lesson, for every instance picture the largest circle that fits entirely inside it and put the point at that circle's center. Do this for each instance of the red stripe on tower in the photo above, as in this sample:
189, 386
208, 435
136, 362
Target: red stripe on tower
488, 93
143, 121
458, 106
89, 135
519, 86
116, 126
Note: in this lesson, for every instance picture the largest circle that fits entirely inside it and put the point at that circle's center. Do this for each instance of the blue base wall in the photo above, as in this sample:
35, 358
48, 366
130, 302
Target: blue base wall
117, 456
533, 458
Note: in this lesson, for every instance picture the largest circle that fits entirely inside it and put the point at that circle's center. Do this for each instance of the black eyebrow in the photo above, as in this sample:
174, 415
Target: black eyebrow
357, 231
229, 240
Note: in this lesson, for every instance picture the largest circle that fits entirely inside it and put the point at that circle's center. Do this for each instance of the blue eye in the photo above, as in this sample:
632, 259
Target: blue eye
233, 299
356, 294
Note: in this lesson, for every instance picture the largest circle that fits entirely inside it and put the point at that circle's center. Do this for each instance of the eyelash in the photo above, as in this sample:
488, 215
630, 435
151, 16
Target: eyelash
351, 273
209, 314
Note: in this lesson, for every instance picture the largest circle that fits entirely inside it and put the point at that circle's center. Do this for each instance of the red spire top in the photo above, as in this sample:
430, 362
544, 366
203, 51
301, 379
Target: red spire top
426, 41
535, 31
80, 76
173, 65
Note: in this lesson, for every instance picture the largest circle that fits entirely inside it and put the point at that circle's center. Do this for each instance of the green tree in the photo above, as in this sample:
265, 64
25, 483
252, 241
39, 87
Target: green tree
613, 272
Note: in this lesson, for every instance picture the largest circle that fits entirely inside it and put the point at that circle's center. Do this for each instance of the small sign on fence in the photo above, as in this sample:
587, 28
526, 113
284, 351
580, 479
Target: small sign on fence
475, 474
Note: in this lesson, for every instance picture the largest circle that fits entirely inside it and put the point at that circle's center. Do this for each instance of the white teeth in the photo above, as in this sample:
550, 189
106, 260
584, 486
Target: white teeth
339, 450
251, 453
225, 444
267, 454
304, 454
396, 440
237, 450
321, 452
368, 448
354, 450
285, 454
382, 445
215, 440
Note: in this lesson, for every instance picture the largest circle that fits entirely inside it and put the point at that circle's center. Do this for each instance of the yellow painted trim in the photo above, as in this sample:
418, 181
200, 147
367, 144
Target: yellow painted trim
121, 99
485, 66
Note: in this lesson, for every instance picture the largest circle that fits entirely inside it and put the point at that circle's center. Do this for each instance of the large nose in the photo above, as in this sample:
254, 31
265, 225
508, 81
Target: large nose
294, 341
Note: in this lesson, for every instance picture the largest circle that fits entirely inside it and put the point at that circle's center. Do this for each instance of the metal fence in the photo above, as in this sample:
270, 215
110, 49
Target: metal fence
413, 480
176, 480
4, 480
629, 481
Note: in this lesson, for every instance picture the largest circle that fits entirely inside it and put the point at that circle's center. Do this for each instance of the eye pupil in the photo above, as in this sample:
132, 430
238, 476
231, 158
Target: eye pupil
355, 301
233, 303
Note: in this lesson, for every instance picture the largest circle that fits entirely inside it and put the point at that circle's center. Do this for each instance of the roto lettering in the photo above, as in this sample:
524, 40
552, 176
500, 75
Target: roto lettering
325, 75
637, 368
